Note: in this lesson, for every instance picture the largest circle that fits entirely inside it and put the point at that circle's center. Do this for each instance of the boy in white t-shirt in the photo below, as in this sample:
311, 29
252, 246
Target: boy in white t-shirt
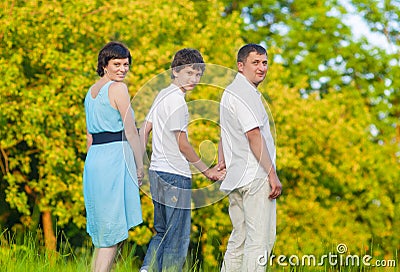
169, 172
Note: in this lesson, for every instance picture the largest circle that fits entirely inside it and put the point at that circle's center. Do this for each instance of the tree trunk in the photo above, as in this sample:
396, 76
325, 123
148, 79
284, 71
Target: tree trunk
49, 236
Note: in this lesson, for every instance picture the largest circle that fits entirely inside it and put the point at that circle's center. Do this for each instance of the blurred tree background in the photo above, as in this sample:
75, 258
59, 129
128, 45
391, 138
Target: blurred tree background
335, 102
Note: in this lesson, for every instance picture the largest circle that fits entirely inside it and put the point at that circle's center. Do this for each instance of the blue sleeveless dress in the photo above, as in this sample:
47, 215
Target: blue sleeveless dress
110, 186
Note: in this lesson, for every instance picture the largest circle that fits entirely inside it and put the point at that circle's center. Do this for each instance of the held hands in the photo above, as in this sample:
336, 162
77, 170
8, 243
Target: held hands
215, 173
140, 175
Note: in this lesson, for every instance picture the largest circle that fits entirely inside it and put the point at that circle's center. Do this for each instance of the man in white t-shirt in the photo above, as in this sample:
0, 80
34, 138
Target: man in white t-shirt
247, 150
169, 172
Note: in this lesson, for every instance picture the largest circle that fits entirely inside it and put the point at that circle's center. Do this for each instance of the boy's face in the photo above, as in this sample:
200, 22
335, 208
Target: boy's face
187, 78
254, 68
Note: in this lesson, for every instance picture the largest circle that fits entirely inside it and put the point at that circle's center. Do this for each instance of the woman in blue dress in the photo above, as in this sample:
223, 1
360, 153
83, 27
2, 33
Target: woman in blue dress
113, 166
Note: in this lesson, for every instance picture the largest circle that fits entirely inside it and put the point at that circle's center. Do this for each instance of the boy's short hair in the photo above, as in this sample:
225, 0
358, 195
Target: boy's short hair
187, 57
245, 51
112, 50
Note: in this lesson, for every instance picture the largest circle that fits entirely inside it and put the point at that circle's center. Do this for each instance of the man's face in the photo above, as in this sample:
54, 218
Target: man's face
254, 68
187, 78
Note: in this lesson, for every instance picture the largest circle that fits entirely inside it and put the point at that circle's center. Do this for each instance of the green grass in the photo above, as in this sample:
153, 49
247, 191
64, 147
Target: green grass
25, 253
31, 255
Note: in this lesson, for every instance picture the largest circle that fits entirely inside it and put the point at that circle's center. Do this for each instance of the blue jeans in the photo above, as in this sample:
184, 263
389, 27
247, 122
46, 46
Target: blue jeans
171, 195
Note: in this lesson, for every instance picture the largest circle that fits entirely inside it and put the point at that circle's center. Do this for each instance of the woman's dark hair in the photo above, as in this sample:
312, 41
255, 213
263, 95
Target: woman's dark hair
112, 50
187, 57
245, 51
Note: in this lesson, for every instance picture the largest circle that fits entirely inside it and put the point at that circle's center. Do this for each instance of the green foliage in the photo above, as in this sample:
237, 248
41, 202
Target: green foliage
335, 103
313, 43
48, 61
339, 185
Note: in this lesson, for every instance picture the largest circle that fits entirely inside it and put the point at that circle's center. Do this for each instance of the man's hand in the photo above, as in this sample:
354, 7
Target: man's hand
221, 165
276, 186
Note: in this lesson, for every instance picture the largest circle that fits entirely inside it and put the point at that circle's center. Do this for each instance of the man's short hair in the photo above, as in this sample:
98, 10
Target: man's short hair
245, 51
187, 57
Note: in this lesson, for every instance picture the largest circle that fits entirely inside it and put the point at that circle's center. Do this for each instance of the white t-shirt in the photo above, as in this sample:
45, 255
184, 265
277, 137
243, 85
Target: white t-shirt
241, 110
168, 114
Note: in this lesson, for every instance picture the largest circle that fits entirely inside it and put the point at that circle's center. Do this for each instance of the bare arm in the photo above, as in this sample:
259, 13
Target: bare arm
260, 151
187, 150
119, 92
221, 158
144, 132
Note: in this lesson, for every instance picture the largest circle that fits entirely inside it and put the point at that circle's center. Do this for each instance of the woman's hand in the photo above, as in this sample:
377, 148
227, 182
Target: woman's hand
140, 175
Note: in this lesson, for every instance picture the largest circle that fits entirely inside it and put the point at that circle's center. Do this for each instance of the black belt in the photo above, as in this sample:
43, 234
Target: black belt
108, 137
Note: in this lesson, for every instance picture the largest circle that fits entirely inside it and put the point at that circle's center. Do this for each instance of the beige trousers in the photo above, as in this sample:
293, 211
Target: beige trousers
253, 217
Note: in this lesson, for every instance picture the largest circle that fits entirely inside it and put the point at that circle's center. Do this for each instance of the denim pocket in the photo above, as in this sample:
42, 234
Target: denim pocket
170, 189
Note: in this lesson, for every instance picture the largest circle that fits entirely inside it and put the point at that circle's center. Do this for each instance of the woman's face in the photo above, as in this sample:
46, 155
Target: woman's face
116, 69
